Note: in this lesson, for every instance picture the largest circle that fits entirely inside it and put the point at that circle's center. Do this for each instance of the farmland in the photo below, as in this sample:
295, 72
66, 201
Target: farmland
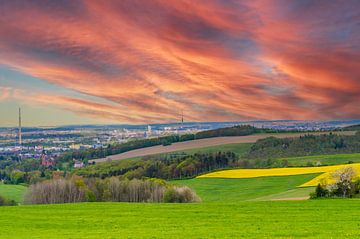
203, 143
284, 219
253, 173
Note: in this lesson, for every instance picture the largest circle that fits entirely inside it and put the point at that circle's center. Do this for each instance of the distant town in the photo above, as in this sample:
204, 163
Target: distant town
46, 143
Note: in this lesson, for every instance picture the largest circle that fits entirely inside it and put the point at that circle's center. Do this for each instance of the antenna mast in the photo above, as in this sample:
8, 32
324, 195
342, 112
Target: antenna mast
20, 136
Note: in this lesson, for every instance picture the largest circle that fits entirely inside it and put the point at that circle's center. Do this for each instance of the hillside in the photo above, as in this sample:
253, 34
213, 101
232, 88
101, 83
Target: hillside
235, 190
203, 143
352, 127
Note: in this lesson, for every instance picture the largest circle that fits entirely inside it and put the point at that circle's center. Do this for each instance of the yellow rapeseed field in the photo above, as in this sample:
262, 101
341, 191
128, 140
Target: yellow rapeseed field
253, 173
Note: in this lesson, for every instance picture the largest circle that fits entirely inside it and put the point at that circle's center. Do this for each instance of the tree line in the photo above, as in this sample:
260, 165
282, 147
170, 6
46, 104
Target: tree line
112, 189
164, 167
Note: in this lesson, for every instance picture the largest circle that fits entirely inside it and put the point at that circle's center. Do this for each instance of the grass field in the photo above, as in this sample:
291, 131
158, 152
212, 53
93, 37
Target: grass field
12, 192
239, 149
235, 190
282, 219
324, 159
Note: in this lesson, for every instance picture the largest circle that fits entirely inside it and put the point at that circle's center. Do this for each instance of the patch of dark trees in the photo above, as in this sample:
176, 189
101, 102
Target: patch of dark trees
306, 145
164, 167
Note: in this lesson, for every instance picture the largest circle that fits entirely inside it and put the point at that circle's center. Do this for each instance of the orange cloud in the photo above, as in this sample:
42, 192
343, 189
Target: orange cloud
223, 60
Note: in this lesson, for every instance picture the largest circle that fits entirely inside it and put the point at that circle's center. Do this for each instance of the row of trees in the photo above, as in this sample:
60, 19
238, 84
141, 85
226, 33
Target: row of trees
164, 167
109, 190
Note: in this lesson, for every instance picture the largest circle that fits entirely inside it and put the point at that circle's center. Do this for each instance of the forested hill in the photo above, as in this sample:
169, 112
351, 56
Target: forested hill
352, 128
265, 153
304, 145
239, 130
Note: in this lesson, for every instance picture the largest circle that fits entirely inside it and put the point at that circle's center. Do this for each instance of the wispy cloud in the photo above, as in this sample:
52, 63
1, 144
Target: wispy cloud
216, 60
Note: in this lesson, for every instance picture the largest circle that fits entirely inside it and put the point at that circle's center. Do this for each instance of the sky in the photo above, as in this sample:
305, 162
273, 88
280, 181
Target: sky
147, 61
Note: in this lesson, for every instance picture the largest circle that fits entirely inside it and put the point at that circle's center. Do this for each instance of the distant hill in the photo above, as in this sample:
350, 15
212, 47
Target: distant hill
352, 127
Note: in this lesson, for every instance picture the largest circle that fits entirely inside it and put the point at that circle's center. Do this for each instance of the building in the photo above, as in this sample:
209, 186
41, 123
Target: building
47, 160
78, 164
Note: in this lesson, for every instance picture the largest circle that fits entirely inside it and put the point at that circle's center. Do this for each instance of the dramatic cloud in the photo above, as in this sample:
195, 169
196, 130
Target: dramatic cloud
215, 60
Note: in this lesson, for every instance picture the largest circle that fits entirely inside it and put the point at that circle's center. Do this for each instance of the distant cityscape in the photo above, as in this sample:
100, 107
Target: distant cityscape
33, 142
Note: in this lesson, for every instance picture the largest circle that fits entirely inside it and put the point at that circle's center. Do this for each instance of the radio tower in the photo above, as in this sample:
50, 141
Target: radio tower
182, 118
20, 138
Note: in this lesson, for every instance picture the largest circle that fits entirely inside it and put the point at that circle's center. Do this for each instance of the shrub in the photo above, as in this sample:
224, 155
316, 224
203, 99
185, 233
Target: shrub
321, 191
180, 195
5, 202
2, 201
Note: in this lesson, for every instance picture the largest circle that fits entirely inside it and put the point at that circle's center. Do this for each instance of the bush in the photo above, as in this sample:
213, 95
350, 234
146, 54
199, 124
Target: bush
5, 202
2, 201
180, 195
321, 191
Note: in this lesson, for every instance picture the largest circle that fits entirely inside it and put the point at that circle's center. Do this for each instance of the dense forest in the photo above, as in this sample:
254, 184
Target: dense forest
164, 167
272, 147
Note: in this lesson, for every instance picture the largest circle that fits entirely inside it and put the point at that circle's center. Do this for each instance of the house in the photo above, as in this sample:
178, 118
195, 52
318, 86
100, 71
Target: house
46, 160
78, 164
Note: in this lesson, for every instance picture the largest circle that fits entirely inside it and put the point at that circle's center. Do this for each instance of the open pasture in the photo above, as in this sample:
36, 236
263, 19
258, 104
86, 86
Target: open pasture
243, 189
281, 219
12, 192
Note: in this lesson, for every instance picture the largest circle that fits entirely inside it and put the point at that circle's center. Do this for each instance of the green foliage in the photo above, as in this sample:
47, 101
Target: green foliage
6, 202
272, 147
165, 166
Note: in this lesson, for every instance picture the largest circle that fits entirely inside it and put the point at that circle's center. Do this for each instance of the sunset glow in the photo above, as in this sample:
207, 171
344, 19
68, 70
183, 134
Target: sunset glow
143, 61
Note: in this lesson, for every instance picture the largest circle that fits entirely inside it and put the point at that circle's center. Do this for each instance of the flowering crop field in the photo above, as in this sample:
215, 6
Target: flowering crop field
254, 173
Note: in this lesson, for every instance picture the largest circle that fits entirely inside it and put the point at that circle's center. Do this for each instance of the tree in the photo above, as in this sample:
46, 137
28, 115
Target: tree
344, 180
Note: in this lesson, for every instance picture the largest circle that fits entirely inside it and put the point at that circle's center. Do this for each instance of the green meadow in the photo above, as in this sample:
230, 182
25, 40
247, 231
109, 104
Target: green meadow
235, 190
12, 192
324, 159
282, 219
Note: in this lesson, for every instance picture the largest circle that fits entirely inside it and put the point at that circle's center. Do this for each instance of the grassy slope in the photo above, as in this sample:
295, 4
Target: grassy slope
239, 149
324, 159
285, 219
235, 190
292, 193
13, 192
